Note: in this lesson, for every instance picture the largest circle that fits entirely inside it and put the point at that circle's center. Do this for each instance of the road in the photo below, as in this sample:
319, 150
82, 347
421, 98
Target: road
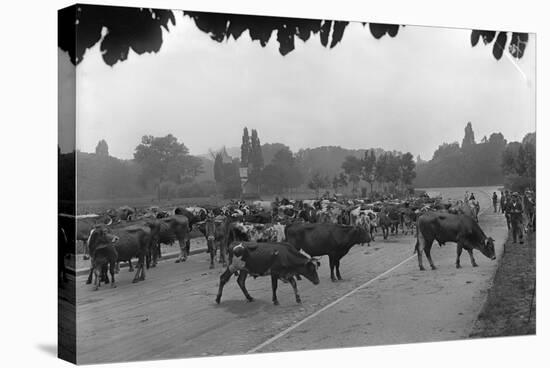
383, 299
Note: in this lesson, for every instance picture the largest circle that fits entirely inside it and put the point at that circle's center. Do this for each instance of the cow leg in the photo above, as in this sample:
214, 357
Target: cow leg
274, 289
104, 276
427, 251
90, 275
140, 272
183, 256
295, 288
458, 253
331, 265
97, 277
224, 277
223, 253
141, 264
337, 266
130, 267
112, 272
241, 281
421, 245
471, 253
212, 251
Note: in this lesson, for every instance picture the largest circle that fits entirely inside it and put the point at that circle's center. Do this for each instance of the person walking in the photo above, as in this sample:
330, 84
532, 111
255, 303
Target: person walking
516, 217
495, 201
506, 208
502, 201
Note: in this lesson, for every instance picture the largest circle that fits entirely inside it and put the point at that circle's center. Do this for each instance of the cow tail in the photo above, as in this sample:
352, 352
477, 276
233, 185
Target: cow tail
416, 246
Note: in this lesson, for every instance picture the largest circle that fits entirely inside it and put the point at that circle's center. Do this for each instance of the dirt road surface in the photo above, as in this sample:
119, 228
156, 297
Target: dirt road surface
383, 299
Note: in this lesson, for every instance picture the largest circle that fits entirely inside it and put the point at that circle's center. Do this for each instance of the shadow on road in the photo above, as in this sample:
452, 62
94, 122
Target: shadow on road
243, 308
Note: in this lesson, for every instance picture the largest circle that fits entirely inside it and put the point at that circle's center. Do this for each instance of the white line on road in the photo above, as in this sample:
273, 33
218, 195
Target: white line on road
315, 314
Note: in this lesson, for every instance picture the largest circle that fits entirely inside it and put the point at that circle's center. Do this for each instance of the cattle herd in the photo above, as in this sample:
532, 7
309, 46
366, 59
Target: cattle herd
280, 238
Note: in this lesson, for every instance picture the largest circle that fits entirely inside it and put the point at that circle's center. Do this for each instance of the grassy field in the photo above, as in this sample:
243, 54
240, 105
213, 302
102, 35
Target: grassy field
506, 311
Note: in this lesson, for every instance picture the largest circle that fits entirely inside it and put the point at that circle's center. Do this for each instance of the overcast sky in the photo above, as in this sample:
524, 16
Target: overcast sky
408, 93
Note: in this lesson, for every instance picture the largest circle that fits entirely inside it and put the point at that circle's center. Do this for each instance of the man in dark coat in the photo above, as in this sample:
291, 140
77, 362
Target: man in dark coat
515, 209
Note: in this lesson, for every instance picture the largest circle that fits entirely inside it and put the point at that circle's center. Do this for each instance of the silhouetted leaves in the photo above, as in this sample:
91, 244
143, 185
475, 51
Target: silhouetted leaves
140, 29
325, 31
80, 26
518, 44
378, 30
516, 47
338, 32
500, 44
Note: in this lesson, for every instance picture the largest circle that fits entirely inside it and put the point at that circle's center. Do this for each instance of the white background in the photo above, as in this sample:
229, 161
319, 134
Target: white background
28, 118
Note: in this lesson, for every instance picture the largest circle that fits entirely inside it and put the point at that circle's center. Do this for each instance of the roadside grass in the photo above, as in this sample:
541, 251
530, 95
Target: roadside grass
506, 310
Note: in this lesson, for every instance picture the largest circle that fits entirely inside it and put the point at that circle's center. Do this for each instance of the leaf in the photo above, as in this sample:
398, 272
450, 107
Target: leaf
500, 44
325, 30
488, 36
338, 32
377, 30
474, 37
518, 44
286, 40
392, 29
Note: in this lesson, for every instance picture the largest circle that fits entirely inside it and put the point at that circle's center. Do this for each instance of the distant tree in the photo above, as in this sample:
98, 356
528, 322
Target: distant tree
469, 139
519, 164
369, 166
218, 168
231, 180
290, 175
407, 167
339, 181
270, 149
246, 148
102, 149
317, 182
161, 156
353, 167
271, 179
255, 159
446, 150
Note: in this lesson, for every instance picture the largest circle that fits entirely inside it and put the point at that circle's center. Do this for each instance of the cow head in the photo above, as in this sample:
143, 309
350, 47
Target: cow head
309, 270
100, 235
488, 248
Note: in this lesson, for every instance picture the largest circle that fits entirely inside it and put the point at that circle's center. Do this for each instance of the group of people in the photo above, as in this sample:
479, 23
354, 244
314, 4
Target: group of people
516, 208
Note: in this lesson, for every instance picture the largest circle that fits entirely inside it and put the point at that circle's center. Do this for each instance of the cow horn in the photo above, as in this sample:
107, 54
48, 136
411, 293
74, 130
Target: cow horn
110, 221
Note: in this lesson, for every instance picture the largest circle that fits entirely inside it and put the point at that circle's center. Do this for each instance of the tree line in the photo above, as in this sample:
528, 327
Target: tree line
492, 161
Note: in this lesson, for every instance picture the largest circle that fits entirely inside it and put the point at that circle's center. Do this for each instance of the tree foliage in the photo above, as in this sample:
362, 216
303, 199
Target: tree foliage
140, 29
164, 158
318, 182
473, 164
102, 149
246, 148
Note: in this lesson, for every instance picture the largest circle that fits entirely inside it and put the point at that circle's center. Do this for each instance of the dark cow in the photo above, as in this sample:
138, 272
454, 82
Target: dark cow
215, 233
131, 241
194, 216
447, 227
105, 258
85, 224
280, 260
330, 239
174, 228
